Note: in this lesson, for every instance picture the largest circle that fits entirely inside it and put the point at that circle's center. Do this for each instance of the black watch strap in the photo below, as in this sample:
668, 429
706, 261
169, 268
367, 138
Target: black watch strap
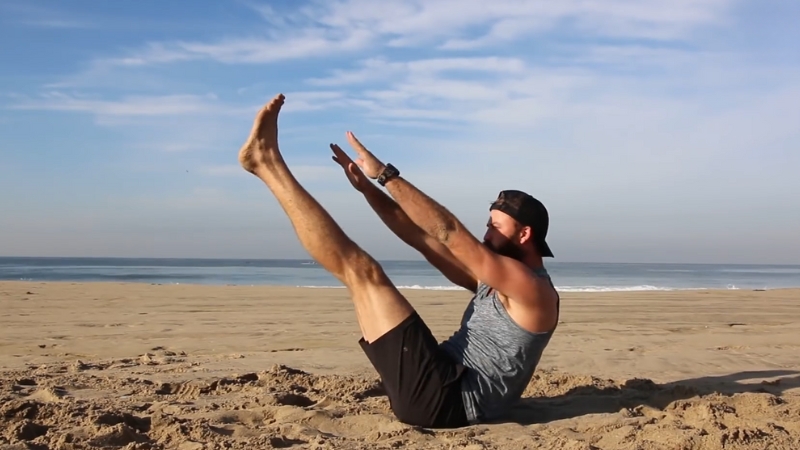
388, 173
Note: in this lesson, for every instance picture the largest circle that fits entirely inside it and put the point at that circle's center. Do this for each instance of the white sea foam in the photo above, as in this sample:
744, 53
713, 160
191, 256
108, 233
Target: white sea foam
416, 286
559, 288
768, 270
617, 288
322, 287
433, 288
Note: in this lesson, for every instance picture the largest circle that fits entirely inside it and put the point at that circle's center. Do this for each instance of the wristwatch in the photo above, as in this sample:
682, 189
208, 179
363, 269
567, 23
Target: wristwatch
388, 173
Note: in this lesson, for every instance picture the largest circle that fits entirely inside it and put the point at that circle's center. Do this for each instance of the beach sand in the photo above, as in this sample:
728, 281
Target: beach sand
137, 366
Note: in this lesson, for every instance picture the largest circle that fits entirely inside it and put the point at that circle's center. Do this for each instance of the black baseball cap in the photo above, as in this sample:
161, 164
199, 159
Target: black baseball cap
528, 211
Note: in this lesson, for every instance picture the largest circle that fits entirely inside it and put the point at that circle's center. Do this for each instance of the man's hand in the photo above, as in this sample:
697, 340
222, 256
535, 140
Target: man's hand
371, 166
354, 174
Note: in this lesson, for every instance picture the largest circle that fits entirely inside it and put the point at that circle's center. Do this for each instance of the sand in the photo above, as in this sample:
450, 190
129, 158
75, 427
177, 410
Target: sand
136, 366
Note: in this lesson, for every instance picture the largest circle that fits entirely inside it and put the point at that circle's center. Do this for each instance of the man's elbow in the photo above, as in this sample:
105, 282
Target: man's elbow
455, 237
445, 231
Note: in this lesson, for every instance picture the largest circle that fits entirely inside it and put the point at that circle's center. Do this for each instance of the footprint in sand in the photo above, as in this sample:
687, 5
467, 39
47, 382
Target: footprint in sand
27, 430
284, 442
374, 391
290, 399
118, 436
50, 394
186, 390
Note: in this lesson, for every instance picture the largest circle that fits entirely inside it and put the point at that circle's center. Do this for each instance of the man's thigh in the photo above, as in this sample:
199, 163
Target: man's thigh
380, 307
422, 383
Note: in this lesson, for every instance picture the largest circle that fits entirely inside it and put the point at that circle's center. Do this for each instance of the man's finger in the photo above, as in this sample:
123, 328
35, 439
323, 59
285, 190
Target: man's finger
355, 143
339, 160
340, 153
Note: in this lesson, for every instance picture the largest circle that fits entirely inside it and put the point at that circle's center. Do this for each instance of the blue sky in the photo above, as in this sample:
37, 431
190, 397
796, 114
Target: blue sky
653, 131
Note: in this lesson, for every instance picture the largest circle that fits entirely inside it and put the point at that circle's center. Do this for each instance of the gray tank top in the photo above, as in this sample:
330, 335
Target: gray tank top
500, 356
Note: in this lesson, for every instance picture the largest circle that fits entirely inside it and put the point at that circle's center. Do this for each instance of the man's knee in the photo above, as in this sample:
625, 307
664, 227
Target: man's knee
362, 270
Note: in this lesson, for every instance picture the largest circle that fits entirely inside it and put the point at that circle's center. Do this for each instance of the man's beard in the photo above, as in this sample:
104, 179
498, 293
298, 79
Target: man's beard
507, 248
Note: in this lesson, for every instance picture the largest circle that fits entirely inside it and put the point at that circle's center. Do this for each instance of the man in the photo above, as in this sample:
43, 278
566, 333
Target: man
484, 367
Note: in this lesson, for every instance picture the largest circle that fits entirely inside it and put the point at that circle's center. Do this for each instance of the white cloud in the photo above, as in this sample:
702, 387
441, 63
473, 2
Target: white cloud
322, 29
476, 93
162, 123
26, 13
250, 50
407, 23
158, 105
465, 90
312, 100
406, 89
381, 69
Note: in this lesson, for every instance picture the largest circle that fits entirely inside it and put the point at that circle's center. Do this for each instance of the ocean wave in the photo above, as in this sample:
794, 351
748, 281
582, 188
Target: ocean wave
640, 288
416, 286
434, 288
617, 288
765, 271
558, 288
322, 287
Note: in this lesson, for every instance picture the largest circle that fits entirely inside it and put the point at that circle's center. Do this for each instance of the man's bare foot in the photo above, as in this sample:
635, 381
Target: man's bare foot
261, 151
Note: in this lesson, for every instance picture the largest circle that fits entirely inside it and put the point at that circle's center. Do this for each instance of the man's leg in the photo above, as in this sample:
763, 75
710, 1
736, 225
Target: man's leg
379, 305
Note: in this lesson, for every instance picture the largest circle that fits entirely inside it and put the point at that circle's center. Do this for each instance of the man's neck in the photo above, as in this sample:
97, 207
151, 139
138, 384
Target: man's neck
533, 261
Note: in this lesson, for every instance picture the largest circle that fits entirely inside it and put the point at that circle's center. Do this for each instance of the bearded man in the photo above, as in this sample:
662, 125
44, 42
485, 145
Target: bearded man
483, 368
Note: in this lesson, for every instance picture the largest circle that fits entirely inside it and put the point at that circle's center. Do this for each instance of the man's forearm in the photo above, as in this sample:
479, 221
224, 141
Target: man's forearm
425, 212
394, 217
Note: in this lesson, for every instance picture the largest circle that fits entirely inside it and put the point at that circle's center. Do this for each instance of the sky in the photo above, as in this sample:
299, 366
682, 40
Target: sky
653, 131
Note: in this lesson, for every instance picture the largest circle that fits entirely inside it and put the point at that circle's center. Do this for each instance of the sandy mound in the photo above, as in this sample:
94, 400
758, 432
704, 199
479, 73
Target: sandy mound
151, 403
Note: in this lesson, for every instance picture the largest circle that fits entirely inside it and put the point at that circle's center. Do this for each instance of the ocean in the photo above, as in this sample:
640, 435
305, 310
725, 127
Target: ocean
567, 276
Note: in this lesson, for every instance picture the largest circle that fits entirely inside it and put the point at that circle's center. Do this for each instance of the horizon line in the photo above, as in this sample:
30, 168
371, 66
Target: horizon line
208, 258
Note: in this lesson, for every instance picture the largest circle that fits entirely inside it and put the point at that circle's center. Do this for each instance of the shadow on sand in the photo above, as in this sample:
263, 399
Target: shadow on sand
583, 400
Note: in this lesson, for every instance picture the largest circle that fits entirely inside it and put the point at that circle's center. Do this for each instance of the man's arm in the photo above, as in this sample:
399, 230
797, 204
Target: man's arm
507, 275
436, 253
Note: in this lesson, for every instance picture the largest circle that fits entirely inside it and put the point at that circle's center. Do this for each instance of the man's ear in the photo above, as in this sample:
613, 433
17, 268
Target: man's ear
525, 234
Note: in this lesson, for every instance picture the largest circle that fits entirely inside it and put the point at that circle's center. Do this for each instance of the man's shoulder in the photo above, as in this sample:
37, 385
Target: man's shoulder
535, 277
542, 294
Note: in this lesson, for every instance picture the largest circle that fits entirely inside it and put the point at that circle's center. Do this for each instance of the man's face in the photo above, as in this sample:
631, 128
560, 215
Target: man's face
503, 235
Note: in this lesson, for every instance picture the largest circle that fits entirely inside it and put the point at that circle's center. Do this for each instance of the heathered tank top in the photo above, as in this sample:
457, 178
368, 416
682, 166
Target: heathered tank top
501, 356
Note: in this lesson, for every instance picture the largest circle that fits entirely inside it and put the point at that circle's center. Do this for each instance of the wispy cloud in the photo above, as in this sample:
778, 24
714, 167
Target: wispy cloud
155, 123
322, 29
313, 100
28, 14
510, 93
420, 22
251, 50
421, 89
164, 105
382, 69
454, 89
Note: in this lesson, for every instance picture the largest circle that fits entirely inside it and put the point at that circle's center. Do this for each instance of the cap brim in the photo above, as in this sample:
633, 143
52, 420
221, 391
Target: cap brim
544, 249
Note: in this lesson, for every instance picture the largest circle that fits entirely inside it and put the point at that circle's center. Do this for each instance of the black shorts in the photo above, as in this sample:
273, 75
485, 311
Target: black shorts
422, 382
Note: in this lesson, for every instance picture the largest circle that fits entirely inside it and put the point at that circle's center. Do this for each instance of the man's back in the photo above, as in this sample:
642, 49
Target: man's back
500, 355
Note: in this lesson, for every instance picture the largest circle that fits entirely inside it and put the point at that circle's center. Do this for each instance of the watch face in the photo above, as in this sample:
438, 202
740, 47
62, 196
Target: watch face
388, 172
